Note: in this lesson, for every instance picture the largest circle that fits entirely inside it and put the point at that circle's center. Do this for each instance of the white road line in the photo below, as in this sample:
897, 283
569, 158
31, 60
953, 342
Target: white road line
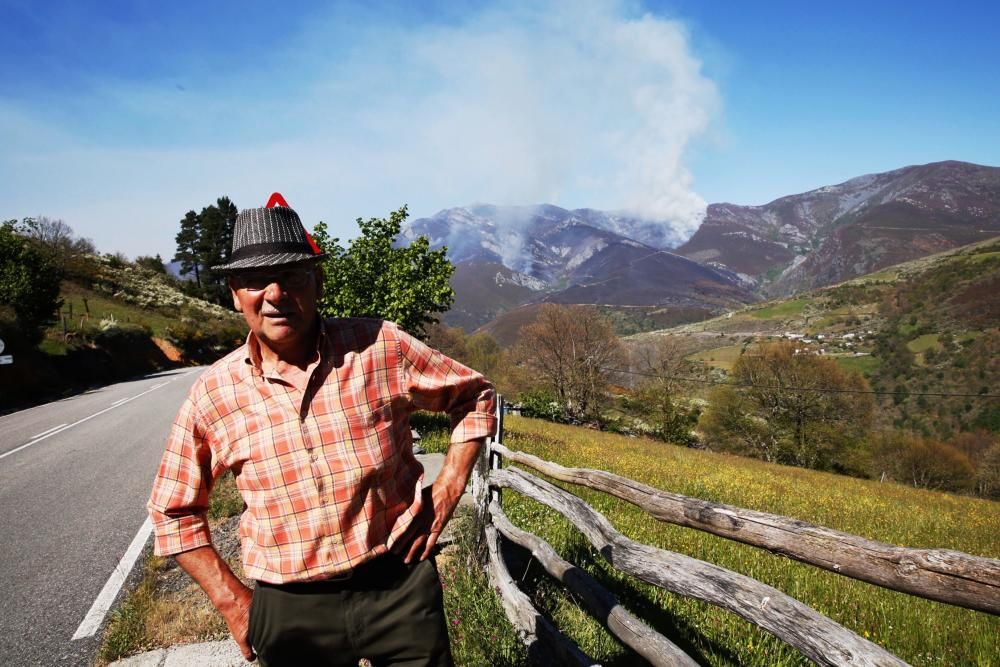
92, 621
36, 440
119, 401
47, 432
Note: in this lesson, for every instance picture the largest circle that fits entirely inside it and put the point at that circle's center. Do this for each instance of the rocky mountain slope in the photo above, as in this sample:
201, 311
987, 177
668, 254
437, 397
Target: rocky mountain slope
509, 256
840, 231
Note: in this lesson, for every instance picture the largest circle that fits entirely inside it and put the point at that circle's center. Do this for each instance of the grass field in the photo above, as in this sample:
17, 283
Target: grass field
719, 357
783, 309
923, 343
881, 276
919, 631
865, 365
983, 256
81, 304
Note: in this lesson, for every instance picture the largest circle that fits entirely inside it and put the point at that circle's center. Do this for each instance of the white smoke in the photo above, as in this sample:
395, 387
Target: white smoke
576, 104
579, 104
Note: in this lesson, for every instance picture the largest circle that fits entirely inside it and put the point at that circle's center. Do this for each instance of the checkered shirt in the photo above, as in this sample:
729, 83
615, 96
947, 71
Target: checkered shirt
328, 475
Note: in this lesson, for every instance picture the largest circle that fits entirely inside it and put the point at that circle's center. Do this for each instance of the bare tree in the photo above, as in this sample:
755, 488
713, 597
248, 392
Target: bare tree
658, 395
574, 352
58, 235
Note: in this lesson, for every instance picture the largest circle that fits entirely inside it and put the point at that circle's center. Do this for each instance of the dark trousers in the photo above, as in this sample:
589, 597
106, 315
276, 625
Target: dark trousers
386, 611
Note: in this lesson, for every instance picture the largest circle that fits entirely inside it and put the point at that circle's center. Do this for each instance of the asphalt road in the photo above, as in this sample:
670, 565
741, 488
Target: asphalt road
70, 505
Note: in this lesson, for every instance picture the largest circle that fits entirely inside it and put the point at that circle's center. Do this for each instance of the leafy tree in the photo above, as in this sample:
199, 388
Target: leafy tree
375, 276
732, 425
542, 404
800, 409
573, 352
154, 264
29, 280
483, 353
988, 473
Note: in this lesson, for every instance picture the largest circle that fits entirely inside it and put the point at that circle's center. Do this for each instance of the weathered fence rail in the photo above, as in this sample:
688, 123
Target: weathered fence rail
937, 574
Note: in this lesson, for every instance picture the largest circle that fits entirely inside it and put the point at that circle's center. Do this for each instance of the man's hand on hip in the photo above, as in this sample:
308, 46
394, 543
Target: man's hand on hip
238, 620
229, 595
439, 502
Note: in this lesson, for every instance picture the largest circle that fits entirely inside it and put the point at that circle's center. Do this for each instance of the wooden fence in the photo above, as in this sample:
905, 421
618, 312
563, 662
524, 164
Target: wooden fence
937, 574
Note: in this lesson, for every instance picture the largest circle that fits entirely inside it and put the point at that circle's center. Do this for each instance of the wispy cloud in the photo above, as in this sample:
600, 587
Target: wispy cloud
578, 104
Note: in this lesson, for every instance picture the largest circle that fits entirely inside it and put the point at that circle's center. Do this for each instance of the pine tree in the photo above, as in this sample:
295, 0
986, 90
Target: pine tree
188, 247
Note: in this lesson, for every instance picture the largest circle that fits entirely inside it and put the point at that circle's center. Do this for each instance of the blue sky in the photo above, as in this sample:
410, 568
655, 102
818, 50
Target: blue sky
118, 117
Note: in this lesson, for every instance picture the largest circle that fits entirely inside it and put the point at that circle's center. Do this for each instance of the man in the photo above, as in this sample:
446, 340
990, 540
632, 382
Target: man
312, 417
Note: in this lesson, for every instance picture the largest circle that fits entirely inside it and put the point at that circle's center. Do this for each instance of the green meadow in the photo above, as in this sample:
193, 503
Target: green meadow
919, 631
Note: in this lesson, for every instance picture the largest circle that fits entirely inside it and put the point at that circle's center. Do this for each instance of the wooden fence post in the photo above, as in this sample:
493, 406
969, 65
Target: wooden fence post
496, 462
481, 493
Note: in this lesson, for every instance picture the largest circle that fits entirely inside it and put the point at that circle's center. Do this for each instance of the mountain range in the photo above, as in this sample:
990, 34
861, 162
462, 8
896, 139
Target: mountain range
512, 257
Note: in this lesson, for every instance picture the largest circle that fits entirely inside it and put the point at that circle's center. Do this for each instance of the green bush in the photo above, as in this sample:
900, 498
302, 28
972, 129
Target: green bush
204, 345
542, 404
29, 281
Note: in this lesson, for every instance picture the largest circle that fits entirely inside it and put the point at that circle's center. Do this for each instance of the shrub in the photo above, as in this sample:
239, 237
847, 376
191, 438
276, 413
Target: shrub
542, 404
923, 462
202, 345
29, 281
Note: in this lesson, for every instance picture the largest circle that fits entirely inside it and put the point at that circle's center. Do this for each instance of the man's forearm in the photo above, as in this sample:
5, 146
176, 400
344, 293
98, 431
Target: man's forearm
207, 567
458, 465
451, 481
439, 502
224, 589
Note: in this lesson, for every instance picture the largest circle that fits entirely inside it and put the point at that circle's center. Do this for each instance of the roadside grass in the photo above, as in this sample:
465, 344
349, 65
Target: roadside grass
919, 631
167, 608
478, 629
434, 431
126, 632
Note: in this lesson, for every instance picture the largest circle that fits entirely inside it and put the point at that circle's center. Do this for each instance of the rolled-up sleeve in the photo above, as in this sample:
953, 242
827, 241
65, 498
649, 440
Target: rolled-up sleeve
179, 501
438, 383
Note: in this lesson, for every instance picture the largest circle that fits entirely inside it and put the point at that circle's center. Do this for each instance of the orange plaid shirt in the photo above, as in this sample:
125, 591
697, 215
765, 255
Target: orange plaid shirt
327, 474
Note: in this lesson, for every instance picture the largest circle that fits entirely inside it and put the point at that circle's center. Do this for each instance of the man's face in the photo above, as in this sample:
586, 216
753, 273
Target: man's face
279, 306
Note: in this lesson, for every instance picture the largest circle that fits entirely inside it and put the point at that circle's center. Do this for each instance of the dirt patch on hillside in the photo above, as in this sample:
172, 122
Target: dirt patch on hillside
169, 350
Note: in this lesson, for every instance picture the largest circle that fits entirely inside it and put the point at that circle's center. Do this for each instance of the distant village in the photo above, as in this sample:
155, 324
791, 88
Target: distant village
839, 344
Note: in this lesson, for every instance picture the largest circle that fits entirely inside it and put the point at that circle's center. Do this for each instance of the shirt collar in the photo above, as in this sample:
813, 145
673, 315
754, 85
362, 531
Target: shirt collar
253, 360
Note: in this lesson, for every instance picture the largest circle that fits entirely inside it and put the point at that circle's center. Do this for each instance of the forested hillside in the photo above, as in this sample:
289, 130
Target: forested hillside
101, 318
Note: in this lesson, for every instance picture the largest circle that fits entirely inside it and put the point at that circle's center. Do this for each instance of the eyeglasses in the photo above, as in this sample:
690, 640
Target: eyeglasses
255, 282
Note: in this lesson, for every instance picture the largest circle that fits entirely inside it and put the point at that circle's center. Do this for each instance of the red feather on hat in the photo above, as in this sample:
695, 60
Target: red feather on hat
277, 200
